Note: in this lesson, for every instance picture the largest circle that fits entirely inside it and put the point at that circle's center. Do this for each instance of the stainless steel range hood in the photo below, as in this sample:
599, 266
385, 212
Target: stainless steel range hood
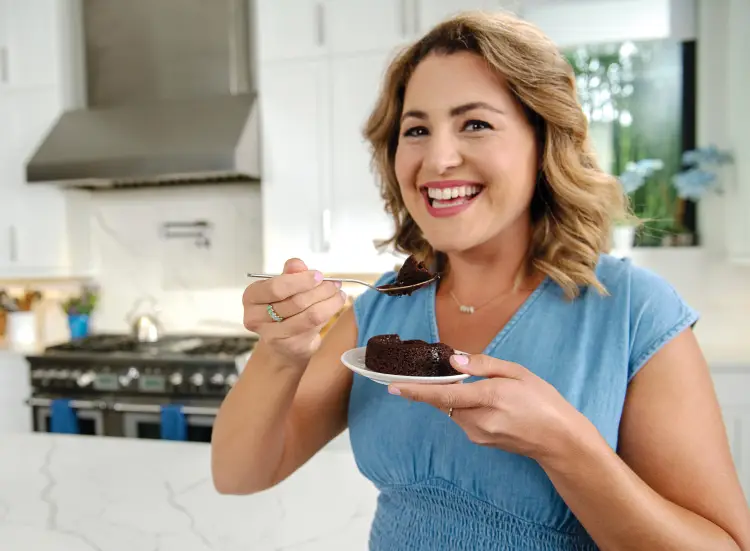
169, 94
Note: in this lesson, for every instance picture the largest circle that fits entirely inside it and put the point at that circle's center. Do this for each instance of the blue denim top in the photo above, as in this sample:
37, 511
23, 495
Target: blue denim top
440, 491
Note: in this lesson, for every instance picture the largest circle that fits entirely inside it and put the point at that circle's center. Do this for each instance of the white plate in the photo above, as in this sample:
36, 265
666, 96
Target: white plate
354, 359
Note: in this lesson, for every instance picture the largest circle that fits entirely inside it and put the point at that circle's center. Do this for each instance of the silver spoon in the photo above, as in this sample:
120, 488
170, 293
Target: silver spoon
393, 290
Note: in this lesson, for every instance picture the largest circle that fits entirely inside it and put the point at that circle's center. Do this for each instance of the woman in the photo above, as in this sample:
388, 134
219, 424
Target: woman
589, 419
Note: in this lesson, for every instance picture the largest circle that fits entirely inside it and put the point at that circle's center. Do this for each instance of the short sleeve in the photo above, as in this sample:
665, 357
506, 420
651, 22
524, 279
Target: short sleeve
657, 315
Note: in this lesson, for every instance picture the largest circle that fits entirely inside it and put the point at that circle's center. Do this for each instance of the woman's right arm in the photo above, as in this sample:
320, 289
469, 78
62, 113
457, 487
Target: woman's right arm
292, 396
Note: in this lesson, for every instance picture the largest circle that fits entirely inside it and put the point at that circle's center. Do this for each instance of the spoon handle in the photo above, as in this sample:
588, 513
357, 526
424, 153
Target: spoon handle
339, 279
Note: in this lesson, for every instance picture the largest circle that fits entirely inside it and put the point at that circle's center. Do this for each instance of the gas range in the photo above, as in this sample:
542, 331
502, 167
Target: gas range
176, 365
117, 386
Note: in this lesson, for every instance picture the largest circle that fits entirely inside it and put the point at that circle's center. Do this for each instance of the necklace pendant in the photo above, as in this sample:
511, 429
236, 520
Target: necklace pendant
466, 309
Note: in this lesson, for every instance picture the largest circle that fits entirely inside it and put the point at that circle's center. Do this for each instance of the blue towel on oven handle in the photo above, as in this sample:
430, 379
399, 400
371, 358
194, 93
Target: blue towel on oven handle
63, 418
173, 423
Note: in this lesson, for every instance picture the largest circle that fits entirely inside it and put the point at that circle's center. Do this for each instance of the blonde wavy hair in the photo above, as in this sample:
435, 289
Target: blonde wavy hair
575, 202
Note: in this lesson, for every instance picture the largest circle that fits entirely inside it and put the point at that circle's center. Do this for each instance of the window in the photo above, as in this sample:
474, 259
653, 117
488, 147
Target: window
639, 98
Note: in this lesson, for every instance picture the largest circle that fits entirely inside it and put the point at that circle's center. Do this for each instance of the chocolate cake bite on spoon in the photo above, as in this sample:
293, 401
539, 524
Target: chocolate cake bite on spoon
413, 275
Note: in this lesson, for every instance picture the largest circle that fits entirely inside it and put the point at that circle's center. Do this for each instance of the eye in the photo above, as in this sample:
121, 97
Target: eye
415, 132
476, 125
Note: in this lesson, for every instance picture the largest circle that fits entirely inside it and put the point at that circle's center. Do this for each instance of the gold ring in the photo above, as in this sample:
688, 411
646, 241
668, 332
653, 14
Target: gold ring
274, 316
450, 412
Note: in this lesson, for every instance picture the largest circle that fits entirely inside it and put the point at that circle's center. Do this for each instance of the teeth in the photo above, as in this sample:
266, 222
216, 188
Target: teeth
444, 194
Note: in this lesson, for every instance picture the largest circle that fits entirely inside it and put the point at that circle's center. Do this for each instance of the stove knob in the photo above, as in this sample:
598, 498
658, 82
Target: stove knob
63, 374
217, 379
196, 379
86, 378
175, 379
39, 374
232, 379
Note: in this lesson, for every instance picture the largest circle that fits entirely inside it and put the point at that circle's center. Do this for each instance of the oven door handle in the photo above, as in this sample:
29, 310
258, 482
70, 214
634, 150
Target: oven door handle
75, 404
154, 408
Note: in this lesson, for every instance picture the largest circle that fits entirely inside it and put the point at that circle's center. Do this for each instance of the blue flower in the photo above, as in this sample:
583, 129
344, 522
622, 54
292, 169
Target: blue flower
693, 183
710, 155
636, 173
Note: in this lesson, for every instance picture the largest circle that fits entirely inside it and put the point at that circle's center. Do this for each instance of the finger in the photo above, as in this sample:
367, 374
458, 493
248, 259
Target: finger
481, 365
308, 320
469, 395
258, 313
294, 265
281, 287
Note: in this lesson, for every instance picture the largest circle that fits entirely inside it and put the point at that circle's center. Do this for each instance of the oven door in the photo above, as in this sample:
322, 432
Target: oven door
90, 415
144, 421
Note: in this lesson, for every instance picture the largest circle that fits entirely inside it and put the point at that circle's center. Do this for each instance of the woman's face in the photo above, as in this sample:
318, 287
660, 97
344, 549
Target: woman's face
467, 159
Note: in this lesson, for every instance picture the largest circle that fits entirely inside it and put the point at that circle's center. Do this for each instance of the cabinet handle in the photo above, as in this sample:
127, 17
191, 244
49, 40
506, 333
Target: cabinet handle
325, 218
12, 241
320, 23
4, 65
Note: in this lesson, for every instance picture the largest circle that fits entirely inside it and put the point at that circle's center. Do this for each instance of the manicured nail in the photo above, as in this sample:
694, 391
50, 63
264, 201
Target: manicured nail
318, 276
460, 359
343, 295
337, 284
393, 390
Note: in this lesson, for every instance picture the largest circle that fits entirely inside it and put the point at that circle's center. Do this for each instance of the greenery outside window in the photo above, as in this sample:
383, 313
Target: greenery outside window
639, 98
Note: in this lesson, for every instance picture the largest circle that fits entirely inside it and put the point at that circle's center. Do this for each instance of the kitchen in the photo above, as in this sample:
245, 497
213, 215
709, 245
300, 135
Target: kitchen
173, 257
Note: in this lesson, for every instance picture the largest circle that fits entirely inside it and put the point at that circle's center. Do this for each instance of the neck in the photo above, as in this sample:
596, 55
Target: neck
490, 269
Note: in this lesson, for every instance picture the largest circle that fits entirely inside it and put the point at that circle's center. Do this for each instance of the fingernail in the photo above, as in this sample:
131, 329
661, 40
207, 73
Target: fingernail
337, 284
460, 359
343, 295
393, 390
318, 276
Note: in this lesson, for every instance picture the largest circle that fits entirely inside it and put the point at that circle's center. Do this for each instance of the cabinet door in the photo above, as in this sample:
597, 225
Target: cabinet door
293, 101
356, 26
733, 392
290, 29
358, 216
33, 37
35, 232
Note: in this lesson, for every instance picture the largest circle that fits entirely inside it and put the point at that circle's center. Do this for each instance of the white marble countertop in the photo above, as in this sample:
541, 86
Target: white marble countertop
78, 493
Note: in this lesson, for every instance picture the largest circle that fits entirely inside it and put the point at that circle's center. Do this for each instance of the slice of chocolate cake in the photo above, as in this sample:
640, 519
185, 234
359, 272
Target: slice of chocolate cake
416, 358
412, 272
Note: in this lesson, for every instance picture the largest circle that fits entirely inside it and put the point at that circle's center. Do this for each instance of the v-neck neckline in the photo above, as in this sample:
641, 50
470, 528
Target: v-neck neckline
502, 335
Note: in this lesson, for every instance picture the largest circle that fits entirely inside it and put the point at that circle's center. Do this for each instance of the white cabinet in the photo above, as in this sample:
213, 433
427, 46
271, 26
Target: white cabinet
294, 123
30, 35
428, 13
35, 237
358, 216
733, 391
354, 26
290, 29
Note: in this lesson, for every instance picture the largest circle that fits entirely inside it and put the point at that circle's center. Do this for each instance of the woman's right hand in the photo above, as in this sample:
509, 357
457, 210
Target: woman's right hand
303, 300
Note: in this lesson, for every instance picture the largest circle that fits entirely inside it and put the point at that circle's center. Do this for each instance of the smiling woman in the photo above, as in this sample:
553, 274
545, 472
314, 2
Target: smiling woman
588, 419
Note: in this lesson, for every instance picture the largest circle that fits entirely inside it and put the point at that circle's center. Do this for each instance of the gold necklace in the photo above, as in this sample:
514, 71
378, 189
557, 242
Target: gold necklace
468, 309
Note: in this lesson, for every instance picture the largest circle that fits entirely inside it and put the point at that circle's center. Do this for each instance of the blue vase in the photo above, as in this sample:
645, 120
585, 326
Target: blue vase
79, 325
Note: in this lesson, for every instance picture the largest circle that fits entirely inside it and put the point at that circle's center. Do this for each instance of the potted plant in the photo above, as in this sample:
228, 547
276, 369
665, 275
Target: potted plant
79, 309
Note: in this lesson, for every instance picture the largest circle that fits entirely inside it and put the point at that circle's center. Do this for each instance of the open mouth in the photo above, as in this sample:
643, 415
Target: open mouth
445, 197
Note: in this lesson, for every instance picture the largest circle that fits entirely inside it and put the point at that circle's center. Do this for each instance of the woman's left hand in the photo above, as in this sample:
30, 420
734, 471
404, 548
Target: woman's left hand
512, 408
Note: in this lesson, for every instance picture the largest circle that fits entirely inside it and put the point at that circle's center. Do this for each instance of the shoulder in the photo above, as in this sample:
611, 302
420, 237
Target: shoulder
654, 311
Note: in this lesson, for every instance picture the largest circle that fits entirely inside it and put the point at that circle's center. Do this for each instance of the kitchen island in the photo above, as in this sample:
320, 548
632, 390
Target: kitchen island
80, 493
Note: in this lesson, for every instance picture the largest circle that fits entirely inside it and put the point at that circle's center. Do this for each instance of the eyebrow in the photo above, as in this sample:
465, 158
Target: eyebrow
455, 111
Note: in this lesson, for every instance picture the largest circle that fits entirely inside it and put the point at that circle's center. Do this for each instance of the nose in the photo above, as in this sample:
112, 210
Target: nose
442, 153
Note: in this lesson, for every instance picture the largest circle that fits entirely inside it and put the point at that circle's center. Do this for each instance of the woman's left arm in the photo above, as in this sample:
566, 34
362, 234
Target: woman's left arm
674, 485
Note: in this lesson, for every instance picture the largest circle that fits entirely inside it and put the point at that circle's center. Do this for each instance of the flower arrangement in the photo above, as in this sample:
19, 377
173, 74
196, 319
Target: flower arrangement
694, 182
79, 309
83, 304
636, 173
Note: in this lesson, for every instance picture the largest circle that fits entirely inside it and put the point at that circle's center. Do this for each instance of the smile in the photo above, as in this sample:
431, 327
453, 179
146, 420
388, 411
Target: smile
450, 198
